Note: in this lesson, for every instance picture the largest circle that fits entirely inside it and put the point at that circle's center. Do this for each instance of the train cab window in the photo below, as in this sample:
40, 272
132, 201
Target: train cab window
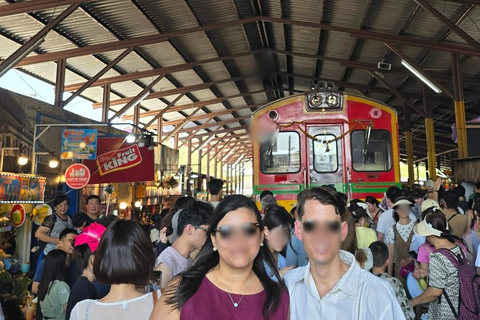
373, 154
325, 155
283, 155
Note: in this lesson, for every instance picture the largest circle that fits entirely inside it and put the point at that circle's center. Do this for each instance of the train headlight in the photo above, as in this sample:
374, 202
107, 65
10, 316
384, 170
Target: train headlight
316, 101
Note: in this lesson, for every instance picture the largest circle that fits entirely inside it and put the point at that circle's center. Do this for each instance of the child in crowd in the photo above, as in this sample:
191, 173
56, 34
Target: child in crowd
79, 221
380, 262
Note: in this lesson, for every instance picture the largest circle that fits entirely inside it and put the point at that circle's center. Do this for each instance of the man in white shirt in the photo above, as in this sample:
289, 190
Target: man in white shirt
332, 285
215, 188
386, 220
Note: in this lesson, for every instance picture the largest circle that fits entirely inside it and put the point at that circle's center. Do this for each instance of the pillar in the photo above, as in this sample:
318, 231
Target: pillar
189, 168
409, 144
60, 82
430, 134
106, 102
459, 103
159, 130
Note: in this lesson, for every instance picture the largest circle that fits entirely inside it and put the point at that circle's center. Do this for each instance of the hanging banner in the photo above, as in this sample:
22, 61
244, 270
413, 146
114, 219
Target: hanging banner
21, 188
168, 159
119, 161
79, 144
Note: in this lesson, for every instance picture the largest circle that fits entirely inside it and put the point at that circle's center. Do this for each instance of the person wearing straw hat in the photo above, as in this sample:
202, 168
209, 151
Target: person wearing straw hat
443, 275
398, 238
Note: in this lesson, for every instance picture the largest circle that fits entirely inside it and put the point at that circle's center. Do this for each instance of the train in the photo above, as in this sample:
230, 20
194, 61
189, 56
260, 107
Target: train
325, 137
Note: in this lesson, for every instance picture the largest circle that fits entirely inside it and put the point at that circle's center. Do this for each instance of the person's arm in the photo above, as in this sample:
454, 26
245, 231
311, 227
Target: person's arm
166, 274
380, 236
35, 287
162, 309
438, 185
391, 251
42, 234
427, 296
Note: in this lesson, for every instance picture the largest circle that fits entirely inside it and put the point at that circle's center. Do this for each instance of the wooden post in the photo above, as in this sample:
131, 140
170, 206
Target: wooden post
430, 134
459, 103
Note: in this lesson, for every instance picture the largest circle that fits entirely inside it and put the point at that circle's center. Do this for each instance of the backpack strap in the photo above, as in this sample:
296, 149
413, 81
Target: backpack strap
456, 214
450, 304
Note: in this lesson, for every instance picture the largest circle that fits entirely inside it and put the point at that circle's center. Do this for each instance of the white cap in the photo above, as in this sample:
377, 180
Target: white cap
425, 229
429, 203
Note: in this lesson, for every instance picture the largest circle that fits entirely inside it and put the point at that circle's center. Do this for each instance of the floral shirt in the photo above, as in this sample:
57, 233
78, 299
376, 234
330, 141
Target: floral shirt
401, 295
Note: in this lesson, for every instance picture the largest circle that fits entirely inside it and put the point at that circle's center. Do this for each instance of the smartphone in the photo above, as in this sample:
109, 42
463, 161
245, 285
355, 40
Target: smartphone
413, 254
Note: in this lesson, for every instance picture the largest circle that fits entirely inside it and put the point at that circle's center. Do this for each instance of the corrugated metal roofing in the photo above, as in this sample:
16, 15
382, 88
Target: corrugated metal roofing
343, 57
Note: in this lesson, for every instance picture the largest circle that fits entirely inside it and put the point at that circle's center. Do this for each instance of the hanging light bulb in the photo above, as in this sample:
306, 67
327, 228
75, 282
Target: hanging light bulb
22, 160
53, 163
131, 138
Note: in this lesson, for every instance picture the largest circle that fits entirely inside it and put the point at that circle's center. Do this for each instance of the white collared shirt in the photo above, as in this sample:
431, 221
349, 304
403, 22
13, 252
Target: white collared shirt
357, 295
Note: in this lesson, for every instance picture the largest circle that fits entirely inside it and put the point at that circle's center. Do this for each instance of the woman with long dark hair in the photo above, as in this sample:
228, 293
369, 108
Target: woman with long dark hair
229, 276
53, 291
374, 211
277, 227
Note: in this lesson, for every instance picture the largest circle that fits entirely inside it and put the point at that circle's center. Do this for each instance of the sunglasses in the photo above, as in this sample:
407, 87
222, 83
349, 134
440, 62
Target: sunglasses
330, 227
248, 229
200, 228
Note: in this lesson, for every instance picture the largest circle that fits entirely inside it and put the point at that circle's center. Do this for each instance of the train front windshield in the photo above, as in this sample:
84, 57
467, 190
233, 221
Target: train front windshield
374, 154
283, 155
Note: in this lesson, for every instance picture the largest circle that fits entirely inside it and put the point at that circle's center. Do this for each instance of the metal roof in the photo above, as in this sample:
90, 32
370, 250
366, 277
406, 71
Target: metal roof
210, 53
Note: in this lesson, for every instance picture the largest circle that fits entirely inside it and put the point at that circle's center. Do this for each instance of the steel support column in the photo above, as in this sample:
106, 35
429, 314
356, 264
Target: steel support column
199, 179
136, 118
460, 120
208, 163
160, 130
430, 134
409, 144
106, 102
60, 82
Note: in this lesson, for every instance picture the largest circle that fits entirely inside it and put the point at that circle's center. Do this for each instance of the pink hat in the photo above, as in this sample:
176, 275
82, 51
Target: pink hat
91, 235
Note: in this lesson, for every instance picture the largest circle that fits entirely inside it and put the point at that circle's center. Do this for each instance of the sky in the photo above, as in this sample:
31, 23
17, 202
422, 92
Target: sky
22, 83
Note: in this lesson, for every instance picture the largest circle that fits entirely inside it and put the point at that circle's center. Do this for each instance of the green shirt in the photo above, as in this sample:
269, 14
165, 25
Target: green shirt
55, 300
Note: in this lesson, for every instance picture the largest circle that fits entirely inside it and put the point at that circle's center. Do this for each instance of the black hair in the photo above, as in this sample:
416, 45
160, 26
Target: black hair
181, 203
207, 259
393, 193
11, 308
478, 185
55, 269
60, 198
196, 213
268, 201
164, 212
265, 193
325, 196
93, 196
67, 231
124, 255
214, 186
79, 219
82, 254
276, 216
107, 220
418, 193
380, 253
372, 200
451, 199
344, 197
459, 190
438, 220
356, 210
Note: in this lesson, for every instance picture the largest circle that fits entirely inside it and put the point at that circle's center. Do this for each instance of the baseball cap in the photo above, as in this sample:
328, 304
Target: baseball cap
173, 237
430, 184
429, 203
425, 229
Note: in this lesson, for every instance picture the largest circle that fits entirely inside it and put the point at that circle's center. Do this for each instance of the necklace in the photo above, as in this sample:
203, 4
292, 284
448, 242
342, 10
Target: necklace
235, 304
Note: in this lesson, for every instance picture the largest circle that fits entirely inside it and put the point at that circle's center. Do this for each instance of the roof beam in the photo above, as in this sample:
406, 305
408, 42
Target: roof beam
196, 104
191, 135
138, 98
16, 58
164, 110
31, 6
403, 56
123, 44
216, 124
166, 93
156, 72
87, 84
180, 125
228, 130
462, 34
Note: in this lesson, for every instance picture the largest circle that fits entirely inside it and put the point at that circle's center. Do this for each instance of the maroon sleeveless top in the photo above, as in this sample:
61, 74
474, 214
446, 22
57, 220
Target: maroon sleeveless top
212, 303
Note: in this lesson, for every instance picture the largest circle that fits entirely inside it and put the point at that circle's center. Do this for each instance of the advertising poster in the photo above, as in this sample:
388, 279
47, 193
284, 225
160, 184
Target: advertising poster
79, 144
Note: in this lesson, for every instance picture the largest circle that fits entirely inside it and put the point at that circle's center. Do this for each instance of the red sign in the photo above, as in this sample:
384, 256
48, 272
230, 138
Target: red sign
77, 176
119, 161
17, 215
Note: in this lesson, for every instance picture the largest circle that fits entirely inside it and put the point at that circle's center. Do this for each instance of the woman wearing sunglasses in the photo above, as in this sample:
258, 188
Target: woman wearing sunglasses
228, 280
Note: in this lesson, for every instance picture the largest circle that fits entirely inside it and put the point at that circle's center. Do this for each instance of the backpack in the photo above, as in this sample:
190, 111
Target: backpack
469, 281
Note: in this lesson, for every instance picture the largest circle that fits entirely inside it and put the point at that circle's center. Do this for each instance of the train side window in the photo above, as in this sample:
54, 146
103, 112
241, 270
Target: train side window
325, 155
374, 154
281, 156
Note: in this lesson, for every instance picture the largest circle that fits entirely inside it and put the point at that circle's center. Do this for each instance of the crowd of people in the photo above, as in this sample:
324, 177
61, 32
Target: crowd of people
329, 257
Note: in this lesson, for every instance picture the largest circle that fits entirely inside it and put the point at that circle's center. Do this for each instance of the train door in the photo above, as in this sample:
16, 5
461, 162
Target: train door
325, 157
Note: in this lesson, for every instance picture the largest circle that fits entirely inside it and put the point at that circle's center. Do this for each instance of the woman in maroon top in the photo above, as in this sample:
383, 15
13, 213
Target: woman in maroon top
228, 280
